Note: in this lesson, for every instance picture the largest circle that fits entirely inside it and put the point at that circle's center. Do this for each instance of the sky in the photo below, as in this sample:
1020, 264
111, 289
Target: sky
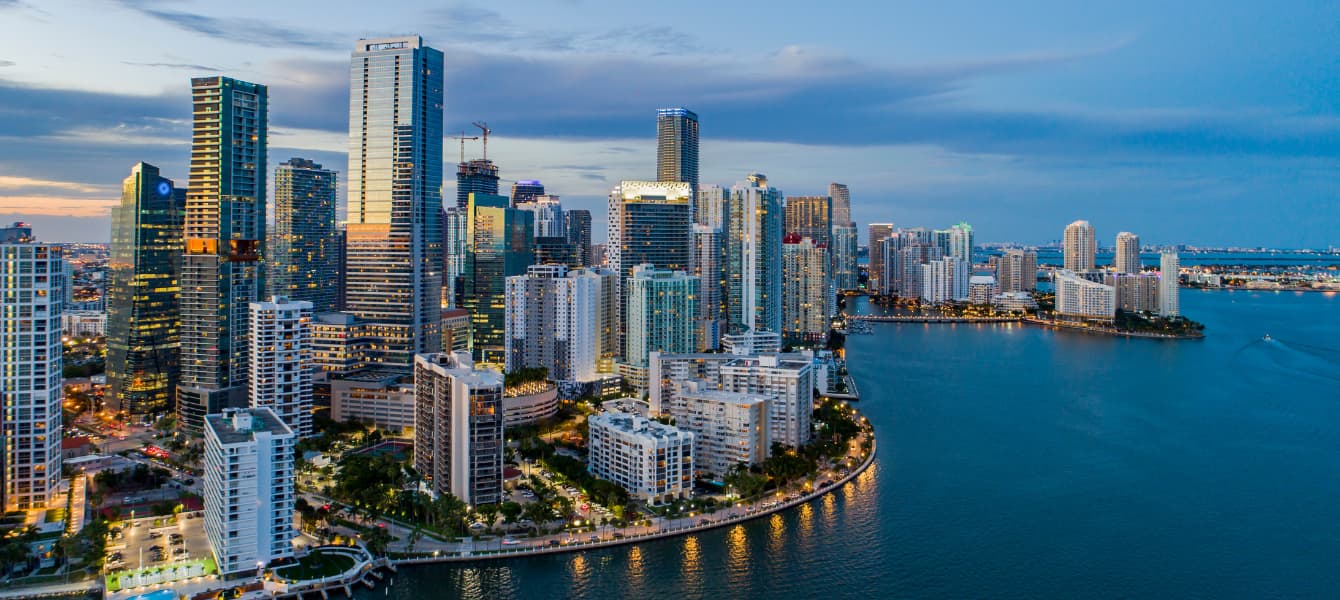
1199, 122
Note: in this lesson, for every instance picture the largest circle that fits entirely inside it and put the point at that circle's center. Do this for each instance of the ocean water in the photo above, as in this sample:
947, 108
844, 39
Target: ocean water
1023, 463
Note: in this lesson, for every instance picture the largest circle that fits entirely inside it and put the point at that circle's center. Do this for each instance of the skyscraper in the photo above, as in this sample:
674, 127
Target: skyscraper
31, 294
662, 310
394, 249
458, 426
810, 217
476, 176
841, 203
1127, 259
677, 146
944, 280
526, 190
709, 265
455, 244
1079, 246
754, 256
1170, 304
1017, 271
281, 361
143, 294
709, 206
846, 273
960, 242
805, 290
548, 216
579, 235
553, 321
500, 245
649, 223
222, 273
304, 263
879, 232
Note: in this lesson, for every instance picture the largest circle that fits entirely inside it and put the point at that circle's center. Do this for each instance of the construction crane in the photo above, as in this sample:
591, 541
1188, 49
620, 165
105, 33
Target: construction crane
484, 127
462, 138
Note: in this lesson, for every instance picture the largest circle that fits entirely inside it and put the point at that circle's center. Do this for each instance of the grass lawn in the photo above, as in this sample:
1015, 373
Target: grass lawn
315, 566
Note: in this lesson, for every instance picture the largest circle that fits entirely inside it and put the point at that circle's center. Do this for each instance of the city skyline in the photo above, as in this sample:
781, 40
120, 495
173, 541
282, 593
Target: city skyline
1134, 142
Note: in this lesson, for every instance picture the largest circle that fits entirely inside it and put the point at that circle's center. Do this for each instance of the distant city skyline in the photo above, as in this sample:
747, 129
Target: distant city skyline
1116, 113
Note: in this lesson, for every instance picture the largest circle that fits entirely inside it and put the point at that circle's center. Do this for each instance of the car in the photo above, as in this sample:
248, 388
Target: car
553, 542
510, 542
155, 548
618, 536
155, 534
594, 538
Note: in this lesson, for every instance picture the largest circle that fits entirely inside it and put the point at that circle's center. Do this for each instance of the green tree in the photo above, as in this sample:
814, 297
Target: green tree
376, 539
510, 511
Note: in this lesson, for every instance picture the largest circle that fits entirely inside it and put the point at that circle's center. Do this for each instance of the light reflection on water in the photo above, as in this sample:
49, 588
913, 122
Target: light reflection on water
636, 572
737, 559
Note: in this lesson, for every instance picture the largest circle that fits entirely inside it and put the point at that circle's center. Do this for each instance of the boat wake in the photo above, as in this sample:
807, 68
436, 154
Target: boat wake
1292, 359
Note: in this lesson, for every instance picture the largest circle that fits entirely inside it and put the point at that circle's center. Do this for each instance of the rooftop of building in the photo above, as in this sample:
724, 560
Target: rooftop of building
385, 376
236, 425
632, 423
460, 366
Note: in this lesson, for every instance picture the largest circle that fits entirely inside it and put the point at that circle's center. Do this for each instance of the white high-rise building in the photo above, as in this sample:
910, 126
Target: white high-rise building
959, 242
281, 361
1127, 259
982, 289
1084, 298
32, 289
944, 280
728, 428
789, 379
846, 273
878, 270
553, 321
709, 264
1169, 273
248, 488
1079, 246
654, 462
458, 427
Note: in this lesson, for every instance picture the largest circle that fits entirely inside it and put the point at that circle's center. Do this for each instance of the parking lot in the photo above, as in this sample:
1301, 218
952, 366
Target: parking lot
171, 541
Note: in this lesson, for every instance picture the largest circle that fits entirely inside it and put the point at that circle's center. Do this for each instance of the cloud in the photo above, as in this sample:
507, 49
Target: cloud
172, 65
55, 206
11, 183
7, 63
256, 32
476, 24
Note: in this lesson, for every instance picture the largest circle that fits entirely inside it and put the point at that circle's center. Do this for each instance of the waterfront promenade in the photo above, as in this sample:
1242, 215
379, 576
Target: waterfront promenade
930, 319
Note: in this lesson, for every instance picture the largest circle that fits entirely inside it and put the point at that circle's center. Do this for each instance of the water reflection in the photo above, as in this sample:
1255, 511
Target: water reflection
804, 525
636, 574
579, 573
691, 569
776, 534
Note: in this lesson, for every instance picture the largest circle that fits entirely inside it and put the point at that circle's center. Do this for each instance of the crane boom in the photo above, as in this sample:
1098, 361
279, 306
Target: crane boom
462, 138
484, 127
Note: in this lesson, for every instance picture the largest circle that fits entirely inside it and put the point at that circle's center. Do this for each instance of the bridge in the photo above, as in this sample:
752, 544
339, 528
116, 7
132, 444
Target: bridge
931, 319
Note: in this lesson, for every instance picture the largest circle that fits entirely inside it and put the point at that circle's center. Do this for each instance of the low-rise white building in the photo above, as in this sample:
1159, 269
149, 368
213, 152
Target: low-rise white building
1016, 301
654, 462
1083, 298
380, 397
729, 428
982, 289
84, 323
248, 488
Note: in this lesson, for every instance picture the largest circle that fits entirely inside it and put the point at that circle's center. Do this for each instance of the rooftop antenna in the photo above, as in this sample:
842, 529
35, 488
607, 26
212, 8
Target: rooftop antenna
484, 127
462, 138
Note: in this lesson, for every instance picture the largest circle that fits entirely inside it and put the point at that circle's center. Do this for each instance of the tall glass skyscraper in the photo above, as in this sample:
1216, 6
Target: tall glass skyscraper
579, 235
144, 294
754, 256
304, 263
499, 239
526, 190
810, 217
677, 146
394, 248
841, 203
649, 223
224, 235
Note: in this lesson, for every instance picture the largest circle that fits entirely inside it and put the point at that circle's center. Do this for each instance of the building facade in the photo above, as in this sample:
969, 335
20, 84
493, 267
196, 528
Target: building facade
303, 261
499, 246
1079, 246
248, 489
677, 146
754, 255
1081, 298
878, 279
652, 461
476, 176
144, 294
944, 280
458, 427
709, 265
224, 238
281, 361
1127, 257
841, 203
662, 310
553, 322
728, 428
32, 287
846, 271
578, 224
1170, 304
649, 223
1017, 271
805, 290
394, 248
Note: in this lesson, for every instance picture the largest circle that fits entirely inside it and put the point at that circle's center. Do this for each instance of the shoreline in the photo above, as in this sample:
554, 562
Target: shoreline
660, 535
1110, 332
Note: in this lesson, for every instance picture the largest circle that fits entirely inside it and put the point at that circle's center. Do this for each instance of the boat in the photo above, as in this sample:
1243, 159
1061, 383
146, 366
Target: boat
1266, 338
